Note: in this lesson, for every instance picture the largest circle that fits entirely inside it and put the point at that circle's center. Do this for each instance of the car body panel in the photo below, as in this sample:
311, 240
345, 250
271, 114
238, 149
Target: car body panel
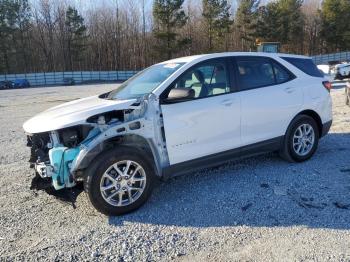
317, 98
267, 112
202, 127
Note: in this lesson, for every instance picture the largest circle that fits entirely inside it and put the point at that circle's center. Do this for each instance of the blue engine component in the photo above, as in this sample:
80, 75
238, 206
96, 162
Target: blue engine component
61, 159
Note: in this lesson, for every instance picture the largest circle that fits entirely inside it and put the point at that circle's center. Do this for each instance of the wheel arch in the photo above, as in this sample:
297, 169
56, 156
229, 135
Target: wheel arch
285, 151
130, 140
140, 142
314, 115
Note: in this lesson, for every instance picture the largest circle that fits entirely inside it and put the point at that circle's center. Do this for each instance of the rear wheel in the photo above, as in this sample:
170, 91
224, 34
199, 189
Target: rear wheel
119, 181
301, 139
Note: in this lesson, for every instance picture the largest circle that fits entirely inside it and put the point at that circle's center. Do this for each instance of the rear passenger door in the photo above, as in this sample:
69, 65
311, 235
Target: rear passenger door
270, 98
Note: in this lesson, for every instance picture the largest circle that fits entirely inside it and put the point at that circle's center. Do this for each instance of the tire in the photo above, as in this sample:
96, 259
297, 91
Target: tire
338, 77
291, 143
347, 102
103, 174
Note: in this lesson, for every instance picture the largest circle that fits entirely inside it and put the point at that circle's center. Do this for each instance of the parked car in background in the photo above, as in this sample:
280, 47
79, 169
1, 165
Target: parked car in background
68, 81
342, 71
178, 116
6, 84
21, 83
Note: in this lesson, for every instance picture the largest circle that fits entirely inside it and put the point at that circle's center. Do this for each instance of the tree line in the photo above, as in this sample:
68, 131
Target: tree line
48, 35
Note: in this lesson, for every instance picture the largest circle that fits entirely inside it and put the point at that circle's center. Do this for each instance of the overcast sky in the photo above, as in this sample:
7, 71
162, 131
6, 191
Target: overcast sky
83, 4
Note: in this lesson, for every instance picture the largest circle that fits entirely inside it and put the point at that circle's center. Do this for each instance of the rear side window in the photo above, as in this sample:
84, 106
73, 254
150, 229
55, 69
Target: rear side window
255, 72
281, 74
304, 64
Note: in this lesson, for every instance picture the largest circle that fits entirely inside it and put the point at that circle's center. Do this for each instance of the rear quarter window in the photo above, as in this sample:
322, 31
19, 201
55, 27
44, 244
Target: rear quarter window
258, 71
304, 64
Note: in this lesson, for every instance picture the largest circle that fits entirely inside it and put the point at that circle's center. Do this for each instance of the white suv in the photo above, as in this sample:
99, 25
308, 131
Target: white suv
342, 71
178, 116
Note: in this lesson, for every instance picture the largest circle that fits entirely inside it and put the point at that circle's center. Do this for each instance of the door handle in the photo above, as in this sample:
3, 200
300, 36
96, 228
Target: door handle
227, 102
289, 90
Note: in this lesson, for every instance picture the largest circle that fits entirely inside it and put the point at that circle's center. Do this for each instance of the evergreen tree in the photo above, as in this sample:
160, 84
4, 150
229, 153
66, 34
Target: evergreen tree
246, 22
335, 17
292, 23
282, 21
217, 17
22, 35
76, 35
8, 27
168, 18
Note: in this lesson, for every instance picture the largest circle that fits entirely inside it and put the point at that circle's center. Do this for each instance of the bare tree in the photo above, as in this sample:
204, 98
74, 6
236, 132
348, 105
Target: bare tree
312, 26
45, 23
49, 35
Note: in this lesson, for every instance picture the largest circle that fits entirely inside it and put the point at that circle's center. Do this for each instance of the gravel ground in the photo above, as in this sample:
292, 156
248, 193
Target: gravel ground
261, 208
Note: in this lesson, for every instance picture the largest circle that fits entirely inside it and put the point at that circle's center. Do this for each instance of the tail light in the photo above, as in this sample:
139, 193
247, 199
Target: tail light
327, 85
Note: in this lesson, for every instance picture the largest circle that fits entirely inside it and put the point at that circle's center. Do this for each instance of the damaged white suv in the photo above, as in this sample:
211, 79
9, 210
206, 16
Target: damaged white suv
178, 116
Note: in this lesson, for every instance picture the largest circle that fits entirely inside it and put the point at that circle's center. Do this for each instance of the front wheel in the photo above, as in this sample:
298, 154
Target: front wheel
338, 77
301, 139
119, 181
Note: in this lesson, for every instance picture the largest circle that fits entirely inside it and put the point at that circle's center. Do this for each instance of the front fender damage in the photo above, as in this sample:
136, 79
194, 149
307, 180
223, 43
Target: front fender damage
61, 156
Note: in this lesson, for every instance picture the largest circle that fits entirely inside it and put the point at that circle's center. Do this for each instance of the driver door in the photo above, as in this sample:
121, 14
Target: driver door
210, 122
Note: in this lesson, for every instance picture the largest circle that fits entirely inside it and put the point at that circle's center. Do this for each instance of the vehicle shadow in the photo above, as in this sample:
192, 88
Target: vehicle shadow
66, 195
263, 191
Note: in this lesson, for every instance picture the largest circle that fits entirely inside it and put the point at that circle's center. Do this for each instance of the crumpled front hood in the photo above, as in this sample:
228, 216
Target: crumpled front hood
73, 113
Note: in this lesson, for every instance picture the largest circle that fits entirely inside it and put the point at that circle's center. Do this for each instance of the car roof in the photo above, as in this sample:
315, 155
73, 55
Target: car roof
343, 65
188, 59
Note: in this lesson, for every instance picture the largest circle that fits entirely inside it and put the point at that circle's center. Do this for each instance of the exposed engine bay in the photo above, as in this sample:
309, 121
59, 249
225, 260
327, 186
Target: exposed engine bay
60, 156
52, 153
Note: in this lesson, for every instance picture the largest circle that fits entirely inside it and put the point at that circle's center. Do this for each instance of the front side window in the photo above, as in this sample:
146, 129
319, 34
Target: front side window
144, 82
255, 72
206, 80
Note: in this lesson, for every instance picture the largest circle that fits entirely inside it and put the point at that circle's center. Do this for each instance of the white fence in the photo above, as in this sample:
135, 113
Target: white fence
325, 59
61, 78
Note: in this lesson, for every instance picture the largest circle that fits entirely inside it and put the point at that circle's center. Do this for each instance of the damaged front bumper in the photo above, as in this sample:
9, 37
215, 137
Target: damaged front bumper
54, 161
58, 169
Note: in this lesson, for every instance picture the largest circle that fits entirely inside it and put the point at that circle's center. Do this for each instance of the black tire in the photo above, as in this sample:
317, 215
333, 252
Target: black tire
338, 77
287, 151
94, 175
347, 102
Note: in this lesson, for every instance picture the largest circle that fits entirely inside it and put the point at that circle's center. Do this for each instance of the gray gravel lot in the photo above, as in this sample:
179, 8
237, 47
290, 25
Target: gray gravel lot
260, 208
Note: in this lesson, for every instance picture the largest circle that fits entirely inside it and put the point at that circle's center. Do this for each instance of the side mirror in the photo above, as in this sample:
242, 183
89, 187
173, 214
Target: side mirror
180, 95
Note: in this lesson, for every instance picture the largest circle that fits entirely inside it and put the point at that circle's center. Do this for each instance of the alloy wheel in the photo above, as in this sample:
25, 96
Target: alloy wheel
303, 139
123, 183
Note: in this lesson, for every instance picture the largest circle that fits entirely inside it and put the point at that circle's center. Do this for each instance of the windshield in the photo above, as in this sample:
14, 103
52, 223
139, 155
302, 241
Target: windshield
144, 82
